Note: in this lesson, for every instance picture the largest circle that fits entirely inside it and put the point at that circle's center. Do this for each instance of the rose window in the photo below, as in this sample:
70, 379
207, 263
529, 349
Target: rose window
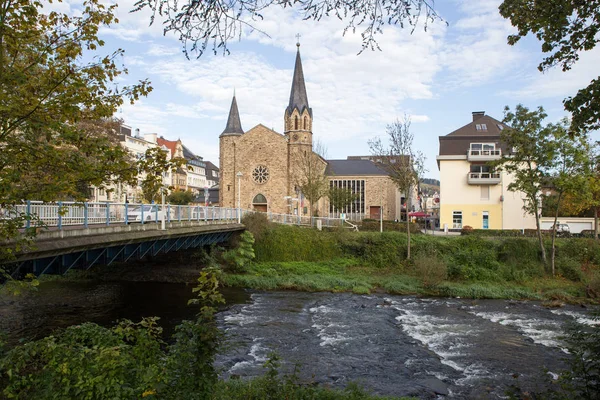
260, 174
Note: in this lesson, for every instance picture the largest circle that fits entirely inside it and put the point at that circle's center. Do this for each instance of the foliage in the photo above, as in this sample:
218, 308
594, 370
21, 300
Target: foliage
190, 372
308, 245
361, 262
212, 25
56, 109
239, 258
404, 165
569, 174
274, 386
340, 198
432, 270
256, 223
86, 362
530, 159
58, 101
180, 197
311, 179
373, 225
565, 28
152, 166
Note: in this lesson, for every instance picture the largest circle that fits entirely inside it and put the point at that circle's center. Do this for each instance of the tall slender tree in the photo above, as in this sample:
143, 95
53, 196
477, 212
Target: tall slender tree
404, 165
530, 158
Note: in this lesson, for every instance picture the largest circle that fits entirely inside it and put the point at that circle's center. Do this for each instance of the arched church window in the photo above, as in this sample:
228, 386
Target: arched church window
259, 199
296, 123
260, 174
305, 123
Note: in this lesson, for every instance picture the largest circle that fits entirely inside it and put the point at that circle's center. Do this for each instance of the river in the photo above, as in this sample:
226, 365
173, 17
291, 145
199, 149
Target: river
393, 345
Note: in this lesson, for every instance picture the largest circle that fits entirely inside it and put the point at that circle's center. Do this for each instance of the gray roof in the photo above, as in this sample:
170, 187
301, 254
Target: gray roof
458, 142
492, 127
234, 125
298, 96
353, 168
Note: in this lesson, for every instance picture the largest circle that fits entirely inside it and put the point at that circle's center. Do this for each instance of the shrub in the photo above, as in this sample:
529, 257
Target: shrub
592, 288
569, 268
256, 223
238, 259
374, 225
466, 230
431, 270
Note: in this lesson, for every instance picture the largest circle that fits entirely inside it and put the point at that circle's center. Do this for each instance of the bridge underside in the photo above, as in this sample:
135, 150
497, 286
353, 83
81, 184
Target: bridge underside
84, 259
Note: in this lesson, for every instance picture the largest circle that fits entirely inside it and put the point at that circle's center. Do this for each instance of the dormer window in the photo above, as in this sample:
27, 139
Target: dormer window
481, 127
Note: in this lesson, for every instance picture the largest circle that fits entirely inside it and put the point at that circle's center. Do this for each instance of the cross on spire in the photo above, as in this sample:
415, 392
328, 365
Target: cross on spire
298, 39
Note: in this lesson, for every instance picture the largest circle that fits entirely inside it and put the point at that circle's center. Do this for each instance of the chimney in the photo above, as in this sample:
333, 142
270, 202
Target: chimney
477, 115
137, 132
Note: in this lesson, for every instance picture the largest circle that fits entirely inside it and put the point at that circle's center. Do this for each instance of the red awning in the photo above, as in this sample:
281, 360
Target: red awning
418, 214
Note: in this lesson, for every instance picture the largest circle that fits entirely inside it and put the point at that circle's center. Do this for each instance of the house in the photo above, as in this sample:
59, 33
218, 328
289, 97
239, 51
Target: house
472, 193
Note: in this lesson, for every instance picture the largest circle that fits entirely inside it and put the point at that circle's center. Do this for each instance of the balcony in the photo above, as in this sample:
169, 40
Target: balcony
484, 155
483, 178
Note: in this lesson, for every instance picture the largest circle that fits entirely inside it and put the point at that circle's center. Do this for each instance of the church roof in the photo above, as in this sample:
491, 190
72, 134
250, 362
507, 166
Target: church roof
353, 167
234, 125
298, 96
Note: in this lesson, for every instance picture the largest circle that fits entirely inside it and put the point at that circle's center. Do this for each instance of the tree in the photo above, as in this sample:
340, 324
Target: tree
568, 172
180, 197
340, 198
530, 159
311, 179
404, 165
57, 98
212, 24
152, 166
565, 28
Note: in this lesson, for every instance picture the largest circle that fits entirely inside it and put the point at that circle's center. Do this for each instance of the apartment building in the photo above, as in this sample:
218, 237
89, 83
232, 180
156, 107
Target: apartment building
472, 193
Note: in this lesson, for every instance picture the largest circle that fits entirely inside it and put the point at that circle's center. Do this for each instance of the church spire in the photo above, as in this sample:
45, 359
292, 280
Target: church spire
234, 125
298, 97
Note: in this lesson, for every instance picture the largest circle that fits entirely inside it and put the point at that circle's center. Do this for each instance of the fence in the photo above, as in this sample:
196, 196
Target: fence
66, 214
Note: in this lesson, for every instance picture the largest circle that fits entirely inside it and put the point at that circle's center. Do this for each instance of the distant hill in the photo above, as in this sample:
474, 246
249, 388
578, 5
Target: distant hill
430, 186
431, 181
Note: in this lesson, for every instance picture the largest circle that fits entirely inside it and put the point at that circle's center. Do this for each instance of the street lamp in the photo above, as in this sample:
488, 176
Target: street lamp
162, 218
239, 176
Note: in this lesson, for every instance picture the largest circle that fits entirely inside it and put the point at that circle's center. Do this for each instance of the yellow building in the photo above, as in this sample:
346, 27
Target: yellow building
471, 192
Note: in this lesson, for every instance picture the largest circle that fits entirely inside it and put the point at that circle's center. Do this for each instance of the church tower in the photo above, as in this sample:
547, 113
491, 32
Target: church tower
298, 115
227, 156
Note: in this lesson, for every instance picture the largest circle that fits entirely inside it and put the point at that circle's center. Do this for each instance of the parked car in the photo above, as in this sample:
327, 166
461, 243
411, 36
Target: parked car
562, 229
151, 212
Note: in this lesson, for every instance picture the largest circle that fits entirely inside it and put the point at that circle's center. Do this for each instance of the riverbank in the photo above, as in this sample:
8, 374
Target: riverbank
292, 258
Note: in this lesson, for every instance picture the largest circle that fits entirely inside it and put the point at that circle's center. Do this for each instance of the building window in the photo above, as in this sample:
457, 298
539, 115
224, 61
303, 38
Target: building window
101, 192
478, 149
357, 188
456, 219
260, 174
481, 127
485, 192
305, 123
296, 123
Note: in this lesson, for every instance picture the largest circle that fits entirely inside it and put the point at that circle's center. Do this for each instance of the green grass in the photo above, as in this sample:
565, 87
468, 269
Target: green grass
291, 258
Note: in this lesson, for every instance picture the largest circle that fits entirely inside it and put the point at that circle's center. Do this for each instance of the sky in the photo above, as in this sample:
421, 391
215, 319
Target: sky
437, 77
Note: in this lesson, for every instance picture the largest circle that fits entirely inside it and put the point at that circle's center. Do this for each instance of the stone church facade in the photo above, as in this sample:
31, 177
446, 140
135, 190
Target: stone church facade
261, 168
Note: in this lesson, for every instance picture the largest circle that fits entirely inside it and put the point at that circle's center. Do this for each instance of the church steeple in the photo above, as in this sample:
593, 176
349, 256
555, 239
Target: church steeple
298, 97
298, 115
234, 125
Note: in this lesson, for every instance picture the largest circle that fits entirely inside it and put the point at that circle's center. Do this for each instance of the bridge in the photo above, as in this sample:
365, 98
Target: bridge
81, 235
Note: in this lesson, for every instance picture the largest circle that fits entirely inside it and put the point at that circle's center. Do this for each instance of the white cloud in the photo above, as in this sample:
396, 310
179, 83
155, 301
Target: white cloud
556, 83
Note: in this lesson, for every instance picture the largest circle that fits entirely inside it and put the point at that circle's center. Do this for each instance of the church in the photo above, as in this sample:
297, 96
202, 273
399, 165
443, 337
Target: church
261, 168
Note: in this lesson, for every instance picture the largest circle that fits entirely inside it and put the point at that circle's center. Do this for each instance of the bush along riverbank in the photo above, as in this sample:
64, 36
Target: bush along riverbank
288, 257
